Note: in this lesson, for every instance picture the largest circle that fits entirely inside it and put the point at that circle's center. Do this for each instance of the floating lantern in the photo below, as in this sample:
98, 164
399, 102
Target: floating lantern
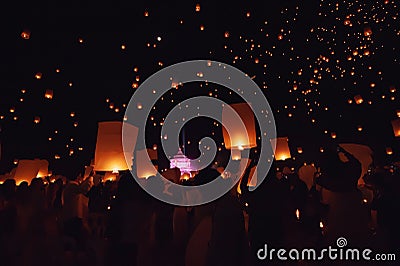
282, 151
36, 120
358, 99
299, 150
111, 153
25, 34
239, 126
48, 94
139, 106
297, 214
201, 27
367, 31
198, 7
398, 113
396, 127
333, 135
38, 75
389, 151
226, 34
145, 167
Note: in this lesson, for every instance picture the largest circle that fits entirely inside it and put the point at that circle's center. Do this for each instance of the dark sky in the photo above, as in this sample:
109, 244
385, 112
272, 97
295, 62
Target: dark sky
283, 43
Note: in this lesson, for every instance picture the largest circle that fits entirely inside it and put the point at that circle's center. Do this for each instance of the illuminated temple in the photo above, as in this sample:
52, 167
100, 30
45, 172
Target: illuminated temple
182, 162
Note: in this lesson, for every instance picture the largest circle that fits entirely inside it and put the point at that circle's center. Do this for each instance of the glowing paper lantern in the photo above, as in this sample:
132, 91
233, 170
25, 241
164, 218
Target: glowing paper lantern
362, 153
110, 153
198, 7
396, 127
240, 138
29, 169
389, 151
36, 120
282, 151
48, 94
26, 34
144, 167
358, 99
367, 31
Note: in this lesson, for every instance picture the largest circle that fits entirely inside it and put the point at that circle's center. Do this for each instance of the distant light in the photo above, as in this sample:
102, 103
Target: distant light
159, 38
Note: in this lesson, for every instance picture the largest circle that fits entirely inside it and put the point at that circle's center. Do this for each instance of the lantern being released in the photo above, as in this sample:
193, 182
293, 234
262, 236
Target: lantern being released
396, 127
238, 132
29, 169
282, 151
144, 167
111, 154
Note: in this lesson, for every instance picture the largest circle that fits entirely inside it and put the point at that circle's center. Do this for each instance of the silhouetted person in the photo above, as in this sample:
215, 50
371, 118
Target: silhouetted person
266, 208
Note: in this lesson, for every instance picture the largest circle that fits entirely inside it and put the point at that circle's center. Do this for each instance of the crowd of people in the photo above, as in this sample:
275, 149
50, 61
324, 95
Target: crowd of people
88, 221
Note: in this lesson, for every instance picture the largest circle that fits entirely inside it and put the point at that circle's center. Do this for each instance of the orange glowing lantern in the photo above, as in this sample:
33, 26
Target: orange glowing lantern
389, 151
226, 34
333, 135
239, 130
358, 99
144, 167
26, 34
30, 169
48, 94
282, 151
299, 150
398, 113
198, 7
396, 127
36, 120
367, 31
112, 154
38, 75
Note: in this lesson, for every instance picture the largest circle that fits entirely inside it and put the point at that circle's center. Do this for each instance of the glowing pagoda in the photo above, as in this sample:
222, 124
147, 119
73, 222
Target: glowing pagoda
182, 162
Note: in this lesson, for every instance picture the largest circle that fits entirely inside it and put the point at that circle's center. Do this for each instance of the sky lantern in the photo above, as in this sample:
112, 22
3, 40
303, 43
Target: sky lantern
36, 120
48, 94
282, 151
198, 7
25, 34
226, 34
358, 99
38, 75
242, 133
333, 135
110, 154
299, 150
236, 154
367, 31
144, 167
389, 151
30, 169
398, 113
396, 127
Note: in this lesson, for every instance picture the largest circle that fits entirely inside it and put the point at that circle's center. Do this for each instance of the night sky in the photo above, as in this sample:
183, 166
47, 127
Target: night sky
310, 58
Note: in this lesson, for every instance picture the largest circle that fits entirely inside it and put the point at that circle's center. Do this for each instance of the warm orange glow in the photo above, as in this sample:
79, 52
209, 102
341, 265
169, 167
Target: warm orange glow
358, 99
396, 127
48, 94
367, 31
282, 151
38, 75
29, 169
109, 153
197, 7
236, 154
389, 151
226, 34
26, 34
333, 135
36, 120
299, 150
297, 214
243, 134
